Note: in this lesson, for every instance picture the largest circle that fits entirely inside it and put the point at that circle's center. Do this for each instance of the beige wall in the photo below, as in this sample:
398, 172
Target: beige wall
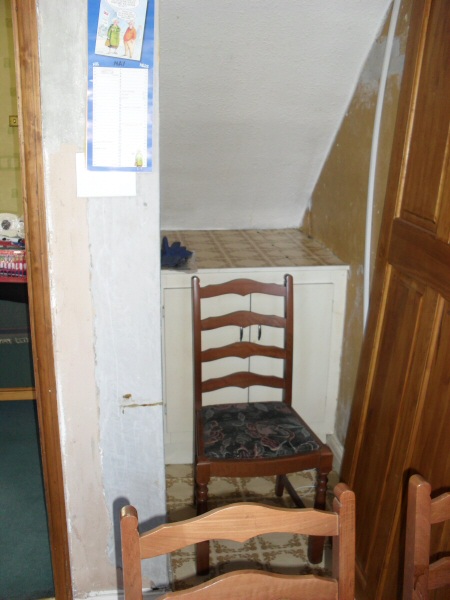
338, 207
106, 320
10, 185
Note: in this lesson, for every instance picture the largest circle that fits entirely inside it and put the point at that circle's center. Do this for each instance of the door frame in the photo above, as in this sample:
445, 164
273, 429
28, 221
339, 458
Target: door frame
26, 58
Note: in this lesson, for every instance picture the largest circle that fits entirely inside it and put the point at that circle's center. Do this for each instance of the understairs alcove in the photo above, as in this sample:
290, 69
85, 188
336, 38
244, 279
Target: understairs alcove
320, 280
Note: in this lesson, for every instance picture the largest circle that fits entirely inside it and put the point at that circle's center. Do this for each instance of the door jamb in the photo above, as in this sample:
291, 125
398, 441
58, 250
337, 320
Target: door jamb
26, 57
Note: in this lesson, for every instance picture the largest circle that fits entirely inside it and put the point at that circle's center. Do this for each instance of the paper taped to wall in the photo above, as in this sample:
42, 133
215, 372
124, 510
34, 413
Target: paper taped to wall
103, 183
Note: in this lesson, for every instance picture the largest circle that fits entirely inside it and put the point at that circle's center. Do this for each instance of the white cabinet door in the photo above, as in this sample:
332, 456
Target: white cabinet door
178, 366
177, 374
313, 311
269, 336
222, 337
313, 397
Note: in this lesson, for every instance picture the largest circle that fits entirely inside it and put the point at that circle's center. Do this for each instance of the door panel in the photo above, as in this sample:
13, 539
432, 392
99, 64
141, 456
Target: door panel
427, 457
401, 412
395, 384
421, 203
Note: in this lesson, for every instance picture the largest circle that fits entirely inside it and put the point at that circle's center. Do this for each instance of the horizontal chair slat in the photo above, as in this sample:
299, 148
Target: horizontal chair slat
238, 522
242, 318
439, 574
246, 584
242, 379
440, 508
242, 287
242, 350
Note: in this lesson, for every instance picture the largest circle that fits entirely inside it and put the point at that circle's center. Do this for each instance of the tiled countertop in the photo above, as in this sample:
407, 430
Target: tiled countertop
256, 248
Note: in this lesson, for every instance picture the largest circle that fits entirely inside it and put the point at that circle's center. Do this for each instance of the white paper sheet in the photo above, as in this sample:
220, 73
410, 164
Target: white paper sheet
103, 183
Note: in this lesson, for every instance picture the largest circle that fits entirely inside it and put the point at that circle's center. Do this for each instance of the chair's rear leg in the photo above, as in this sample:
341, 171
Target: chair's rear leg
279, 485
316, 543
202, 549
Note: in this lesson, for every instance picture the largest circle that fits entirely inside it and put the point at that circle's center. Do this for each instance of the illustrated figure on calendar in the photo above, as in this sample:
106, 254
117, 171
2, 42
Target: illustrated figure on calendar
129, 39
113, 36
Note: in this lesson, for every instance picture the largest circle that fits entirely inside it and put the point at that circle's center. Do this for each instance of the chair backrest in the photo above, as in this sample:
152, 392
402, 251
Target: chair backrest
259, 344
421, 575
240, 522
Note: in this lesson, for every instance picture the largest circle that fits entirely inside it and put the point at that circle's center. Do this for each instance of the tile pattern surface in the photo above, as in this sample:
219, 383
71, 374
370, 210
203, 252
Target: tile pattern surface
252, 248
282, 553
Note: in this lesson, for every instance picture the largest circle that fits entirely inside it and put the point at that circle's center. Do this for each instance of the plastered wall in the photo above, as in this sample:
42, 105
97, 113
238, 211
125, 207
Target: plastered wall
337, 214
10, 183
106, 320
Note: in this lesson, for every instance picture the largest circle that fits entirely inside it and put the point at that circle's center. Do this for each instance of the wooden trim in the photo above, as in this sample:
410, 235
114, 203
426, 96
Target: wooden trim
26, 55
22, 393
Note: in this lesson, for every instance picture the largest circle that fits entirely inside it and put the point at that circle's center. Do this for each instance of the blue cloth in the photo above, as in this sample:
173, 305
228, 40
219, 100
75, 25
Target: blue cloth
173, 255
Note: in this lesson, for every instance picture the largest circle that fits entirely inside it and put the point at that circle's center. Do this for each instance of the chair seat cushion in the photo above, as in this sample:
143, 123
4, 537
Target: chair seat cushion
254, 430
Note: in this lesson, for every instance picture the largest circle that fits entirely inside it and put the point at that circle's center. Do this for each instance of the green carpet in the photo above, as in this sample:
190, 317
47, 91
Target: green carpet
16, 362
25, 564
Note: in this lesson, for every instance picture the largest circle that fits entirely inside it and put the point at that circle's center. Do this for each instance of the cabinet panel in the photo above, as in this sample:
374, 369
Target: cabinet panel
313, 385
178, 369
319, 302
313, 311
178, 377
268, 336
228, 335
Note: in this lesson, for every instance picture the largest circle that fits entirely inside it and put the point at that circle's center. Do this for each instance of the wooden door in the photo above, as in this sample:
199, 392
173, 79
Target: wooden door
401, 416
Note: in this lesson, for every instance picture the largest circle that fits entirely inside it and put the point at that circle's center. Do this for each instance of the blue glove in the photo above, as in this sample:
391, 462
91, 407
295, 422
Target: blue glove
175, 255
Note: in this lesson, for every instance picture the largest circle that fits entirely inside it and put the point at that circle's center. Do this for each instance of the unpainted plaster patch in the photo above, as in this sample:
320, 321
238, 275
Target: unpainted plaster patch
129, 396
367, 89
123, 406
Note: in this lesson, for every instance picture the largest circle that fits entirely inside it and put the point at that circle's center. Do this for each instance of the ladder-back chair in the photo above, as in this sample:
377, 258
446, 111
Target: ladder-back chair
242, 341
240, 522
423, 574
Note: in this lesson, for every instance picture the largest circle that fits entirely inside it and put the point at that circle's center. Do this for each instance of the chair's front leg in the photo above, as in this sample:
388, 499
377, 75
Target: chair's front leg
316, 543
202, 549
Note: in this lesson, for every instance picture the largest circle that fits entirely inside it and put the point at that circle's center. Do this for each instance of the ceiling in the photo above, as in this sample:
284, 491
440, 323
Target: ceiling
252, 94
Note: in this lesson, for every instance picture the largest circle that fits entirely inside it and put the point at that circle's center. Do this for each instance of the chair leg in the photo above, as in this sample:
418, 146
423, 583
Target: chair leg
202, 549
316, 543
279, 485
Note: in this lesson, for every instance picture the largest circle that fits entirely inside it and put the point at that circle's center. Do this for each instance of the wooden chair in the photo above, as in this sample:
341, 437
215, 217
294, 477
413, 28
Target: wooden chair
240, 522
238, 433
421, 575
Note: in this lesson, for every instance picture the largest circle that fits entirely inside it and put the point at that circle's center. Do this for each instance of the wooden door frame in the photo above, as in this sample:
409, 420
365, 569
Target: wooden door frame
26, 57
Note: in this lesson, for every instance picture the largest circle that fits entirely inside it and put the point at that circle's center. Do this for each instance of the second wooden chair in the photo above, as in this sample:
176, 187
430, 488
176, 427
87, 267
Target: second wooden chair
249, 427
240, 522
423, 574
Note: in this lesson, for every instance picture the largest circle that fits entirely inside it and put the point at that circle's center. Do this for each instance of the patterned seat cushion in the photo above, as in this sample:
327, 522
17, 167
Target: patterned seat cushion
254, 430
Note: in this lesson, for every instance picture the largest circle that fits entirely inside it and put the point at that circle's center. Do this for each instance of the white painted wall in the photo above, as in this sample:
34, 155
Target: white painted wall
252, 95
105, 291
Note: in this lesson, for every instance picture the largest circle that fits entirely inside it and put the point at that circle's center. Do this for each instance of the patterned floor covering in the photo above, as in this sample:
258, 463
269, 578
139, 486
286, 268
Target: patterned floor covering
281, 553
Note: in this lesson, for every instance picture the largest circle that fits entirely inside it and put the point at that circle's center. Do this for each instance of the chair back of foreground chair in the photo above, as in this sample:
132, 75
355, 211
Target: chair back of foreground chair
245, 425
240, 522
423, 574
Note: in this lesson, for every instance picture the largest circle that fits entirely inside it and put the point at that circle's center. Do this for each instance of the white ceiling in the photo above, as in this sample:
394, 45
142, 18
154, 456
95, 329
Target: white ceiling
252, 93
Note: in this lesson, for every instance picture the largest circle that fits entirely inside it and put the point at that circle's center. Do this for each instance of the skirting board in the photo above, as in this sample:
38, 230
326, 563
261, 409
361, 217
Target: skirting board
338, 451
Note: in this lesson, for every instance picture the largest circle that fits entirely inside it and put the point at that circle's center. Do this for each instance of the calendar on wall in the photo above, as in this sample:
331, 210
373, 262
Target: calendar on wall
120, 85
